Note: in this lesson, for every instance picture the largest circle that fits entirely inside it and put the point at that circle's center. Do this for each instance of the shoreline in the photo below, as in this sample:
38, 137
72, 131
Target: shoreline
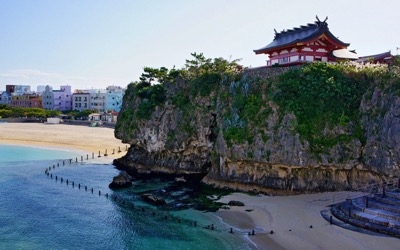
290, 217
61, 136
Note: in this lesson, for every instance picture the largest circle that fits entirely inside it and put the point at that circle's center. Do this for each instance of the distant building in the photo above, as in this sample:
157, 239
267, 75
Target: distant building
26, 101
22, 90
40, 89
57, 99
385, 57
309, 43
48, 98
98, 99
114, 98
63, 98
5, 98
10, 89
80, 100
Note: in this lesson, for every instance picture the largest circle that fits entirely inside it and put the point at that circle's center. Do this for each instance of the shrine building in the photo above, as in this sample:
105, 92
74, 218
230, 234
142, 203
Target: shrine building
307, 43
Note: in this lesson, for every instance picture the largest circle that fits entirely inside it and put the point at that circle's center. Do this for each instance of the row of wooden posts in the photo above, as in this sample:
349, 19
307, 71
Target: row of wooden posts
161, 216
121, 201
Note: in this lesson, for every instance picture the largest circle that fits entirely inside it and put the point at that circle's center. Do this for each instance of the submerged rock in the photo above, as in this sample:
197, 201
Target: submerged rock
236, 203
149, 198
123, 180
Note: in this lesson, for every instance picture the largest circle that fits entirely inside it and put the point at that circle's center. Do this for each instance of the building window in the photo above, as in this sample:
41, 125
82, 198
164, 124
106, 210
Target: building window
284, 60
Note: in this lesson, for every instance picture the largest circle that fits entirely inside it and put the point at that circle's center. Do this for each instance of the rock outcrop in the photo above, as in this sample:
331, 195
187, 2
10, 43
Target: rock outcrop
208, 137
156, 201
123, 180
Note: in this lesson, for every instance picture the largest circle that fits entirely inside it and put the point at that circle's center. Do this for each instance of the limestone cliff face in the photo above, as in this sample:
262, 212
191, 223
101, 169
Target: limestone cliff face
196, 139
160, 145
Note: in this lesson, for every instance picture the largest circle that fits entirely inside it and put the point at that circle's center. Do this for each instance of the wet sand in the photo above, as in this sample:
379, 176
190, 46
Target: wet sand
290, 218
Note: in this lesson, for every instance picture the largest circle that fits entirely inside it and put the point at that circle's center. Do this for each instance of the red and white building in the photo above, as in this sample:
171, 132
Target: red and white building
309, 43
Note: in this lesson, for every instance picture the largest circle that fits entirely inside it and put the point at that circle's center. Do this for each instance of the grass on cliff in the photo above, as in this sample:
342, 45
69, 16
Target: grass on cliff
323, 95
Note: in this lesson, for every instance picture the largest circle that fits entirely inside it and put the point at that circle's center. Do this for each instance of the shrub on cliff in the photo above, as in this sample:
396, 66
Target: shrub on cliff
325, 95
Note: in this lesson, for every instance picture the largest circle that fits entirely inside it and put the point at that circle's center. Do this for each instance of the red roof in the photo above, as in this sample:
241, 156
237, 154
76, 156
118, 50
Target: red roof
302, 34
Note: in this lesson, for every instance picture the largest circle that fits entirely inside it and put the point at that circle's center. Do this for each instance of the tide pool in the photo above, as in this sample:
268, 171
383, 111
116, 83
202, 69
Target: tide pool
38, 212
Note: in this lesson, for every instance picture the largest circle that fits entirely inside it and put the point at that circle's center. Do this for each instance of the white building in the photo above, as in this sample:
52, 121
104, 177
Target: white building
98, 99
22, 90
80, 100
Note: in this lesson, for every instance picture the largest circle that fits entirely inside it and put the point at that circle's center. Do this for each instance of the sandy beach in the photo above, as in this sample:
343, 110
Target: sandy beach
289, 217
88, 139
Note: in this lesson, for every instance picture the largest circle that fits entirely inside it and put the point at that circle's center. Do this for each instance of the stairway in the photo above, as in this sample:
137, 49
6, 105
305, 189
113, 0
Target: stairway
375, 212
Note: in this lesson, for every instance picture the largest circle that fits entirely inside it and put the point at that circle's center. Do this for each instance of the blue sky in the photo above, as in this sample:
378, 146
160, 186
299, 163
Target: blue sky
96, 43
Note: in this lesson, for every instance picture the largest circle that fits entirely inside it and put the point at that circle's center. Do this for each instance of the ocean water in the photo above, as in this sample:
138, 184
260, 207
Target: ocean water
39, 212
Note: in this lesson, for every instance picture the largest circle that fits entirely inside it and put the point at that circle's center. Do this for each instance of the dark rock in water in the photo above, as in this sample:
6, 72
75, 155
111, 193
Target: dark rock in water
123, 180
236, 203
153, 199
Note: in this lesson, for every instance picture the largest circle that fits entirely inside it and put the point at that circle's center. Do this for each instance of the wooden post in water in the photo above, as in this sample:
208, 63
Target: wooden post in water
87, 157
105, 153
58, 164
81, 158
70, 161
76, 159
99, 154
63, 163
92, 190
113, 151
92, 155
54, 166
85, 188
119, 149
99, 192
79, 185
67, 181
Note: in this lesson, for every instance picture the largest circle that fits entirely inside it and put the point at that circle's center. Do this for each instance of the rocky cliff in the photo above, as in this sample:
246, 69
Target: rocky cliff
313, 128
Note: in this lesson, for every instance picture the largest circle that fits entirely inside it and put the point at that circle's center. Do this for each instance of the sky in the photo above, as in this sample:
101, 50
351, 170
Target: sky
97, 43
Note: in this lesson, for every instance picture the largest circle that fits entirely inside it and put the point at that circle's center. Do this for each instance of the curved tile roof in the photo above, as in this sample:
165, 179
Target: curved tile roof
300, 34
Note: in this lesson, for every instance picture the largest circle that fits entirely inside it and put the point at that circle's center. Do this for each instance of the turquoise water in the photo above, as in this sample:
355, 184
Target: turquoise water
38, 212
